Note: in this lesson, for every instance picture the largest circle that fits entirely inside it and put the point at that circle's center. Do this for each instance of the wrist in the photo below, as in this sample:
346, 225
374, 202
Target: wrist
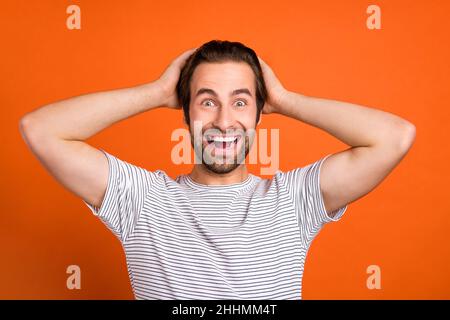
153, 94
281, 102
289, 101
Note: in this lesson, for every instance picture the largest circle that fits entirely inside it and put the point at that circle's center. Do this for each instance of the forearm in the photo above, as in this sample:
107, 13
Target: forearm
81, 117
353, 124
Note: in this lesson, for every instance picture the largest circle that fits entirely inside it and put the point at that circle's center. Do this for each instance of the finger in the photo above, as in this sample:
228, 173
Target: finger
261, 60
184, 56
188, 52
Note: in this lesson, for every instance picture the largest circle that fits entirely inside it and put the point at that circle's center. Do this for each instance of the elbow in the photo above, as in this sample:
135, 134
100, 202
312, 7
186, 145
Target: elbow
409, 135
397, 142
29, 129
25, 126
406, 136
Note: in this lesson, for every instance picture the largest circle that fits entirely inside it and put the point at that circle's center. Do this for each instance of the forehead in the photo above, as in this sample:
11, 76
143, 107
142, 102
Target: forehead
223, 76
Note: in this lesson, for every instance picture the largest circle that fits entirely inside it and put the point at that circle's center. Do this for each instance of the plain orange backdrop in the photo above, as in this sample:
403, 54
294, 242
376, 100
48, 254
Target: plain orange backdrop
316, 48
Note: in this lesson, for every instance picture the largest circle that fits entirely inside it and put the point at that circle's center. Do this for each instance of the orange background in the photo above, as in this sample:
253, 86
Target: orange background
317, 48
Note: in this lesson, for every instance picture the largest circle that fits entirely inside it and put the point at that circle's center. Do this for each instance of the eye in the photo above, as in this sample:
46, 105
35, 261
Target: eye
244, 103
209, 100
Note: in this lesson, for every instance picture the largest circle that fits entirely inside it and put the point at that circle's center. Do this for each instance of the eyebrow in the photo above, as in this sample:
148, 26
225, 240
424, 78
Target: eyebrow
212, 92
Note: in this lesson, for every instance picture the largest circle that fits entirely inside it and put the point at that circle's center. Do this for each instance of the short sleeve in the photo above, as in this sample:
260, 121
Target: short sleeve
303, 185
124, 196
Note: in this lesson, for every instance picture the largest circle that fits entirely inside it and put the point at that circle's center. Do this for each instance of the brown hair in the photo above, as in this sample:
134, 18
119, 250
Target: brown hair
220, 51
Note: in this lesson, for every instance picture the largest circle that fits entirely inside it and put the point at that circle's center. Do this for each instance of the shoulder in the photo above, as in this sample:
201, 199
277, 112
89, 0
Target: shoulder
308, 173
125, 170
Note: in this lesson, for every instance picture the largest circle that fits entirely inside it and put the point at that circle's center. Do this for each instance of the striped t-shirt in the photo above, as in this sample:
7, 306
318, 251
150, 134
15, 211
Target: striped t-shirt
186, 240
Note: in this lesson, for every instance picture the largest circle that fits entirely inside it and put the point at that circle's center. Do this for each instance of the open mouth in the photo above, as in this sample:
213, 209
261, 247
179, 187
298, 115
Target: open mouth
223, 142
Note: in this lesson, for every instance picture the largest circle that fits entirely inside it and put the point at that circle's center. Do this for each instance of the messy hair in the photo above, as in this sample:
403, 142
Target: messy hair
220, 51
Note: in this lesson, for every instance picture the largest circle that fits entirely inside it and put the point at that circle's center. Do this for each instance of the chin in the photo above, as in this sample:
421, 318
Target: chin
221, 168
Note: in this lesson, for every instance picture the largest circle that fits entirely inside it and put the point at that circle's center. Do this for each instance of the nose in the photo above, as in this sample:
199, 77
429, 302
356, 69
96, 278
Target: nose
224, 119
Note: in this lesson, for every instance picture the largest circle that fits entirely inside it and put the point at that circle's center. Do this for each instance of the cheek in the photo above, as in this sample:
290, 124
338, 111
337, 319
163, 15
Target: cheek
197, 114
248, 118
249, 121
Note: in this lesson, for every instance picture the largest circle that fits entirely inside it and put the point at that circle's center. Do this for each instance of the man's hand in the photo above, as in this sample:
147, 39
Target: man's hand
169, 79
276, 91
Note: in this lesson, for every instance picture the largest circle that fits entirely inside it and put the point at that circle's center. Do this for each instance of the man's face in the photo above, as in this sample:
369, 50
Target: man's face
223, 102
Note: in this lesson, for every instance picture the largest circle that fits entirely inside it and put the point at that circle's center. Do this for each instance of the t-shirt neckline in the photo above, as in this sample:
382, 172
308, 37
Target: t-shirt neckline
232, 186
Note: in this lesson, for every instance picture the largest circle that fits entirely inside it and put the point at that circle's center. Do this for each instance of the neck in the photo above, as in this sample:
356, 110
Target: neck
201, 174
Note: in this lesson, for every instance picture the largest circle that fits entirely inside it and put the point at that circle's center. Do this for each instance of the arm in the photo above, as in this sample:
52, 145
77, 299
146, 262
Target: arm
378, 140
55, 132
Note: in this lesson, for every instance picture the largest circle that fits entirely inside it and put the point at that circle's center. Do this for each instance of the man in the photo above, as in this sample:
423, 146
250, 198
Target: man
218, 232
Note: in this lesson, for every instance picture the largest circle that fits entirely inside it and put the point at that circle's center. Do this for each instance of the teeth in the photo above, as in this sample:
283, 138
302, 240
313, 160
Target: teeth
222, 139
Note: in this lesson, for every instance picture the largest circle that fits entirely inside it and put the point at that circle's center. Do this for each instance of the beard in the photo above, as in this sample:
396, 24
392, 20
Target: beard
221, 164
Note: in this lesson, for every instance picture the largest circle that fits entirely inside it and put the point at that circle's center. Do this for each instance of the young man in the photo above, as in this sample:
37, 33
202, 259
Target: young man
218, 232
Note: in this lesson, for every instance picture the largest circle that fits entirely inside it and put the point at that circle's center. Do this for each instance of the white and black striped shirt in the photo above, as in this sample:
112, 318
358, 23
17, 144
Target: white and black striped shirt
185, 240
